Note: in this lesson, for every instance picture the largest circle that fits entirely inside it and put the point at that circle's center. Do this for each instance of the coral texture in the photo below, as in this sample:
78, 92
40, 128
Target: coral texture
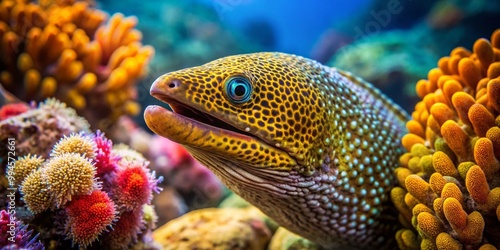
449, 187
64, 49
84, 187
226, 228
38, 129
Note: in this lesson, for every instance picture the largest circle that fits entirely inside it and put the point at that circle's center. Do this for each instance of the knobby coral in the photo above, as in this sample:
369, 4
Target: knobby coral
449, 186
64, 49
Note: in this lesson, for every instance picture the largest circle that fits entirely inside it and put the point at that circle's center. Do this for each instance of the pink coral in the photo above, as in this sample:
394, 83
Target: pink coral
105, 163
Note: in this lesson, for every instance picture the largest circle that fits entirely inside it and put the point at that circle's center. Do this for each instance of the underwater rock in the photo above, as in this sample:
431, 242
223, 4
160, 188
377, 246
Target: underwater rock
211, 228
449, 191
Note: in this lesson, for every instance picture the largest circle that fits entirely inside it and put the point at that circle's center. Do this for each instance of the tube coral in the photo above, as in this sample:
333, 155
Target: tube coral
64, 49
449, 190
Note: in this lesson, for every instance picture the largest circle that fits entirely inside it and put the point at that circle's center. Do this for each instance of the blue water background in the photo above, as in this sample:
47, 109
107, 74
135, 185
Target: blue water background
297, 24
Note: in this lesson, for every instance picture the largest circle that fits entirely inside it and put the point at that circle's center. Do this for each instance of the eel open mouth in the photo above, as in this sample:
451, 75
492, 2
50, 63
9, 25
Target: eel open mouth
185, 116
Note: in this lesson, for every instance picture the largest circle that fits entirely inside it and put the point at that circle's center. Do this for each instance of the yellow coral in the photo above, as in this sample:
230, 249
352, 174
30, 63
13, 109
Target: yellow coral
63, 49
75, 143
451, 182
23, 166
35, 192
69, 174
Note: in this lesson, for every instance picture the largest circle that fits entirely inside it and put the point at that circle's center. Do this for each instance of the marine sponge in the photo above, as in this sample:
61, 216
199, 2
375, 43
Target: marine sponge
67, 175
89, 216
64, 49
449, 194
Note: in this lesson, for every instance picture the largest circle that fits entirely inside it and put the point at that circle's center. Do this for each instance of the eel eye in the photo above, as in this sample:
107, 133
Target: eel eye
238, 89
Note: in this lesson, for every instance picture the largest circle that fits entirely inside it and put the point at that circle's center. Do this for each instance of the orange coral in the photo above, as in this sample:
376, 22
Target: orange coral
63, 49
449, 187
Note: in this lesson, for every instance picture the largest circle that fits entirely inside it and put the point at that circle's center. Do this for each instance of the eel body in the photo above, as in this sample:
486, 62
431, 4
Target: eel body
313, 147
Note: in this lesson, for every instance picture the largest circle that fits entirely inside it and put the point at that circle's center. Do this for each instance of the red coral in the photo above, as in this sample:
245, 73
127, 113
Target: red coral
89, 216
134, 186
12, 109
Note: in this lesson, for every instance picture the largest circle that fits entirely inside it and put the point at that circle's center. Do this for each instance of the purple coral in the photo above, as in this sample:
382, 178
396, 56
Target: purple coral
15, 236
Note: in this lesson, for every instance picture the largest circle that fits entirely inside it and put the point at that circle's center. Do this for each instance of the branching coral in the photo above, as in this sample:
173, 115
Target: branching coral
449, 185
63, 49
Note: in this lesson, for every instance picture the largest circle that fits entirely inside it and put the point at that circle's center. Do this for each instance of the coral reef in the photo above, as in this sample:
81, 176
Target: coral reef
15, 235
36, 130
449, 191
64, 49
85, 185
211, 228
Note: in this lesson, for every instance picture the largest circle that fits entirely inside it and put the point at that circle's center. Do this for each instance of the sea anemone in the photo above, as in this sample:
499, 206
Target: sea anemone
75, 143
34, 190
22, 167
89, 216
67, 175
449, 189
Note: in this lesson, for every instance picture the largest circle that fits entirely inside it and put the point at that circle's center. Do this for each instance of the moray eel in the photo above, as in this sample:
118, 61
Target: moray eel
313, 147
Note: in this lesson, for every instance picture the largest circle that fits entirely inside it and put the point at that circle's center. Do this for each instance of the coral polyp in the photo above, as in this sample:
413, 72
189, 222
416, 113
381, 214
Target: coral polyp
449, 193
34, 190
133, 187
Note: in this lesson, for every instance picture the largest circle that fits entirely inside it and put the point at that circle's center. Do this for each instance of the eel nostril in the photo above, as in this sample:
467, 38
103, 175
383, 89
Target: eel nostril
171, 85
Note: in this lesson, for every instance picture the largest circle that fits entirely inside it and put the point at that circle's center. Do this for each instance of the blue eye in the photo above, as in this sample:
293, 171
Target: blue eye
238, 89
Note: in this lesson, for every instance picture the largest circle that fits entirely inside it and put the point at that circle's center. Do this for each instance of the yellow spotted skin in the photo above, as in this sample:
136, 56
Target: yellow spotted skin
314, 147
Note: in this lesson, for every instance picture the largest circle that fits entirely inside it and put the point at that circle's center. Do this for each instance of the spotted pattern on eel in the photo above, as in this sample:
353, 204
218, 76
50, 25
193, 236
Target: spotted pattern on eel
313, 147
